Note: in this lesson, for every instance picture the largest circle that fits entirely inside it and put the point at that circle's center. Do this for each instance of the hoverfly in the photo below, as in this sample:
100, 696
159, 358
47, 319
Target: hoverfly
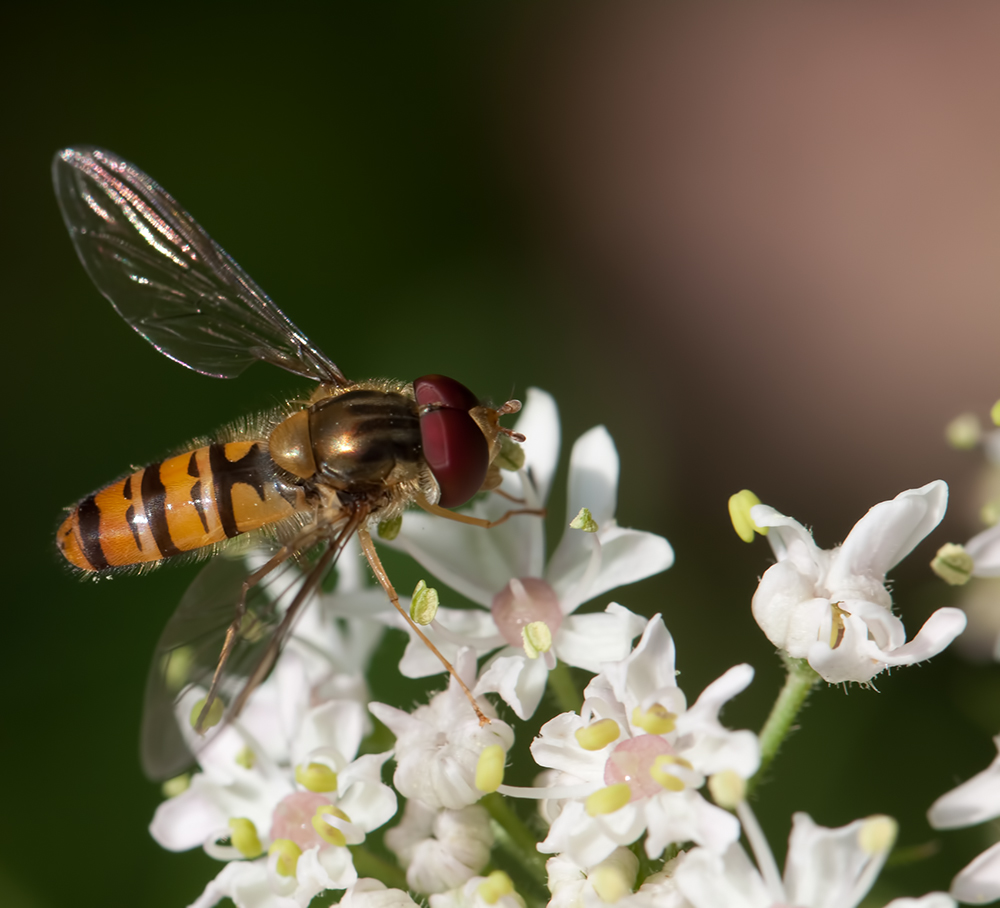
311, 474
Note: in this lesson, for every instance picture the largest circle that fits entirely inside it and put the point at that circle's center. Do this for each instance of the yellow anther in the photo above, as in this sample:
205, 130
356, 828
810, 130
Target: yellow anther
877, 834
727, 789
177, 785
953, 564
288, 855
327, 831
536, 638
995, 413
584, 521
609, 883
495, 887
598, 734
656, 720
964, 431
608, 800
837, 625
316, 777
389, 529
739, 513
667, 779
490, 768
424, 605
175, 667
511, 455
989, 514
243, 835
212, 717
246, 757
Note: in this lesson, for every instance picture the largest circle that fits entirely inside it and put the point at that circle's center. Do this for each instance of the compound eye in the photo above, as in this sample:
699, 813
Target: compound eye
454, 446
441, 391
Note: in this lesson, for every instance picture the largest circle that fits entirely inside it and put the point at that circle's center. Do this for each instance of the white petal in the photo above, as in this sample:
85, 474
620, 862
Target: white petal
931, 900
979, 882
369, 893
786, 608
593, 476
984, 548
974, 801
625, 557
363, 797
539, 424
586, 641
518, 679
729, 880
336, 724
824, 865
185, 821
556, 747
648, 669
789, 539
686, 816
889, 532
243, 882
452, 628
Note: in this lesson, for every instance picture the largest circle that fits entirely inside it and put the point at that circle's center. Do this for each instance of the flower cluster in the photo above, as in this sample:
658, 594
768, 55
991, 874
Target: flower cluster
634, 796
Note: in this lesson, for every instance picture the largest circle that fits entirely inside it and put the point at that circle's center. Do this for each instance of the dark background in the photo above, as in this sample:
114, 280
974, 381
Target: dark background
762, 246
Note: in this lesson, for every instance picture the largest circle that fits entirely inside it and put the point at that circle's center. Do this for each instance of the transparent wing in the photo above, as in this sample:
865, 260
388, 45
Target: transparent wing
168, 278
188, 650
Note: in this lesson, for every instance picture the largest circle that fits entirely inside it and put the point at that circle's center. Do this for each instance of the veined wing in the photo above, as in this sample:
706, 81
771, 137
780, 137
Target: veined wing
168, 278
188, 650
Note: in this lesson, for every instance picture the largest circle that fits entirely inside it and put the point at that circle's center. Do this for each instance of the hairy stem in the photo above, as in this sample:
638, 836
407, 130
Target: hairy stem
799, 683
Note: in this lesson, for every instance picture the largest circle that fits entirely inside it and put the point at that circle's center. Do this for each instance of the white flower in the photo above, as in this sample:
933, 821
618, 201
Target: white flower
573, 886
441, 849
438, 745
494, 891
984, 548
634, 759
974, 801
832, 607
368, 893
825, 868
271, 773
504, 569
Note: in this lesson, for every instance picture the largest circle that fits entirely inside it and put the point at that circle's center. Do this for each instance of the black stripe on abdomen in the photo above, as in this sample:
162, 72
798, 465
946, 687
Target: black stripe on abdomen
154, 500
89, 522
252, 469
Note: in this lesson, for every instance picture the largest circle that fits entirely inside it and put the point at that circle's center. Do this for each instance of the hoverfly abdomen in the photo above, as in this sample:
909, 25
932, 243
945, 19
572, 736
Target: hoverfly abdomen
178, 505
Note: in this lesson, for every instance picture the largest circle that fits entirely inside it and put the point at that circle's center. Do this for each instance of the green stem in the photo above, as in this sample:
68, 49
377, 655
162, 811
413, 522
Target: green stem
565, 690
371, 865
521, 837
799, 684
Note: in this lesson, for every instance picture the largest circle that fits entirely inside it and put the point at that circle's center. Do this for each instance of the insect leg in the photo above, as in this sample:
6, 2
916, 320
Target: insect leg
474, 521
368, 547
302, 540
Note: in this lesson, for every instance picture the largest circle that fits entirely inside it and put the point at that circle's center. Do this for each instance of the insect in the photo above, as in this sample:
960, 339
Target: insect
311, 474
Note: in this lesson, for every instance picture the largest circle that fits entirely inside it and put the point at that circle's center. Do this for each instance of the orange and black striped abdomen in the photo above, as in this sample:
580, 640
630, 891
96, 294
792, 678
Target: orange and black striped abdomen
178, 505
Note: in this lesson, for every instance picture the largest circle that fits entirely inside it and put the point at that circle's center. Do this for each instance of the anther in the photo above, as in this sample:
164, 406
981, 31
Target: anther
656, 720
495, 887
536, 639
424, 604
177, 785
953, 564
584, 521
243, 835
288, 855
739, 512
878, 834
665, 778
325, 829
727, 788
316, 777
598, 734
212, 717
608, 800
490, 768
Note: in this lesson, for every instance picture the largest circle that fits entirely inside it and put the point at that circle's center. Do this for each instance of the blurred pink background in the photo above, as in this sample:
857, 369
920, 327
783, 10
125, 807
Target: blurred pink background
800, 204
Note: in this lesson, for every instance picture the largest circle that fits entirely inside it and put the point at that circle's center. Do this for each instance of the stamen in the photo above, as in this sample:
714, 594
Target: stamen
246, 758
495, 887
597, 735
243, 835
739, 512
609, 883
325, 829
584, 521
212, 717
288, 855
177, 785
995, 413
656, 720
727, 789
762, 853
658, 771
632, 762
877, 835
316, 777
608, 800
389, 529
953, 564
837, 627
424, 604
537, 639
490, 768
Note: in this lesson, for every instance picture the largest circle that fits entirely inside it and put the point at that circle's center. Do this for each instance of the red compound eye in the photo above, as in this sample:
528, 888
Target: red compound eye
454, 446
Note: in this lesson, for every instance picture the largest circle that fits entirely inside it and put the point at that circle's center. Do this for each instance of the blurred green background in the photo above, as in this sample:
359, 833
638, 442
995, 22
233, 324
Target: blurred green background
398, 180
